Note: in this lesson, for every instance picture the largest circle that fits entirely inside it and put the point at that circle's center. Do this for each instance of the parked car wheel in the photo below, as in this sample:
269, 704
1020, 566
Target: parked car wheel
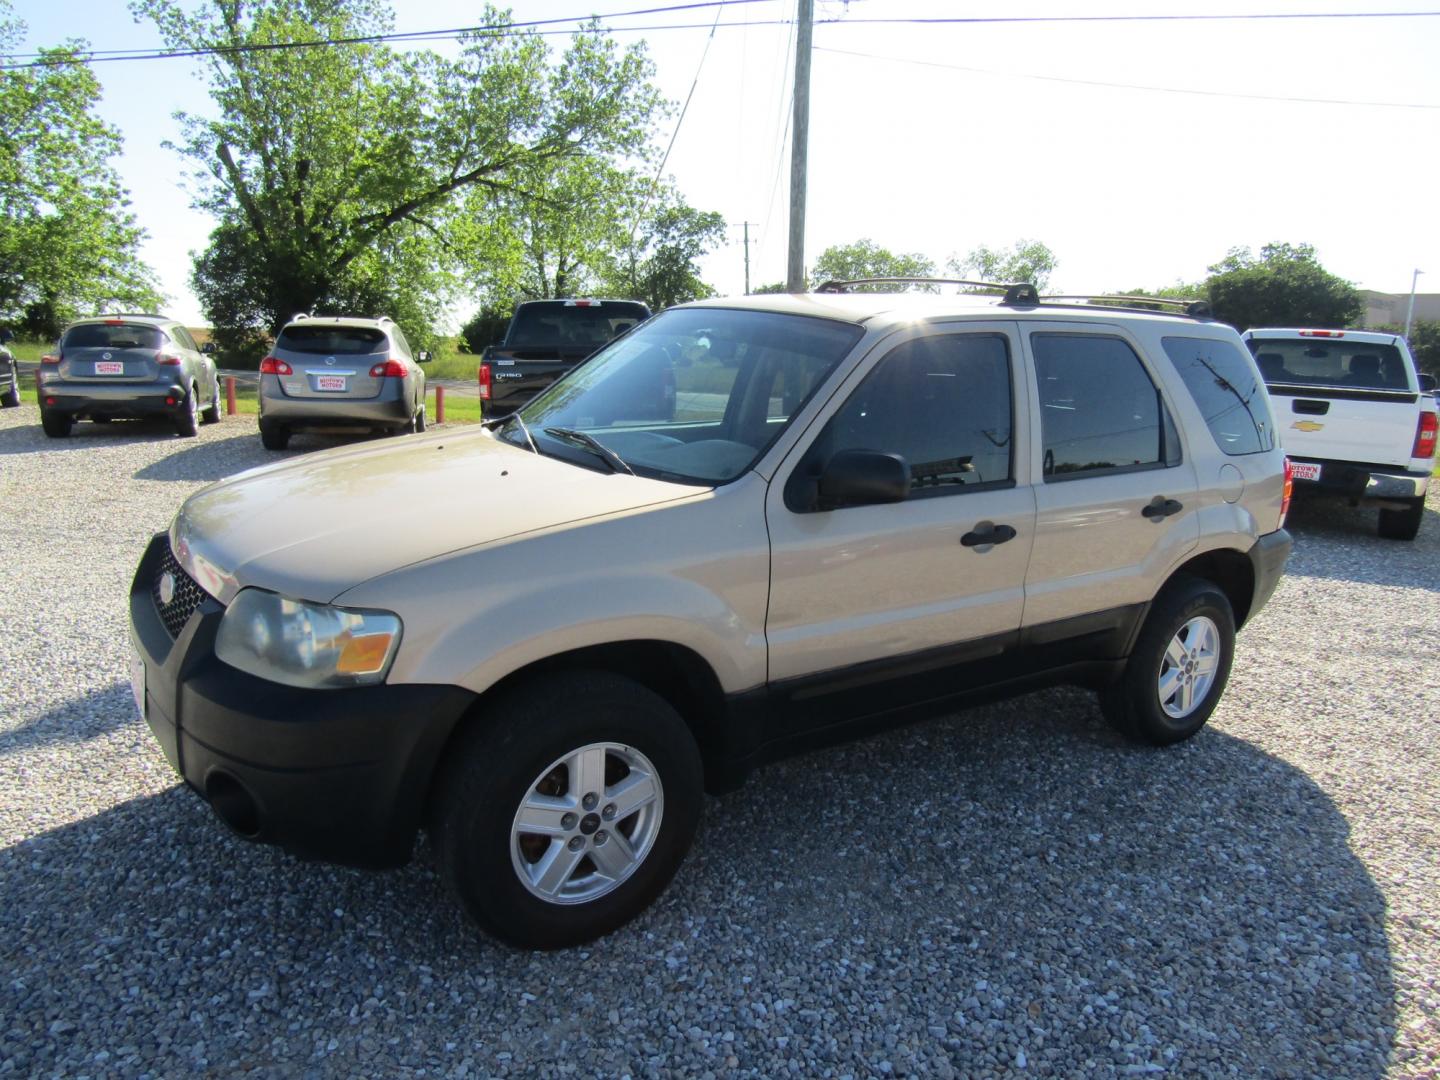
188, 422
274, 436
56, 425
211, 413
11, 398
1402, 524
419, 422
568, 812
1179, 667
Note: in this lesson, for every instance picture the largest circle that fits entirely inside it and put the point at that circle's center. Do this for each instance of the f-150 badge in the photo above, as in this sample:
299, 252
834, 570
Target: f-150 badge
1306, 425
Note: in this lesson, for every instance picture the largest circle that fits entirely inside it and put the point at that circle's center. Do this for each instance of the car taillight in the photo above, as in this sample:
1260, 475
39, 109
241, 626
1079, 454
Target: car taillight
167, 361
1425, 436
388, 369
1289, 491
273, 366
50, 358
485, 382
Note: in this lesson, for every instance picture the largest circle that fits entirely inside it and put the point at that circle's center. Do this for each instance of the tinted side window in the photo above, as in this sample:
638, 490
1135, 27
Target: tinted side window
183, 336
401, 340
1099, 411
941, 402
1225, 386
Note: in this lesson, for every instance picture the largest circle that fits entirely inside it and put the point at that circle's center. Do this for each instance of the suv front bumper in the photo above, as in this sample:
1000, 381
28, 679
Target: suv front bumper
339, 775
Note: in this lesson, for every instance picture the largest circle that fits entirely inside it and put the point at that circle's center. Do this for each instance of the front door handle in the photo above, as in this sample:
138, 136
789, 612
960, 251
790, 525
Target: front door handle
986, 534
1161, 507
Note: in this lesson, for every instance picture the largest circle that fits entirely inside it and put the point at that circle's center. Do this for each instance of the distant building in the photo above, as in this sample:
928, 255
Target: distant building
1388, 309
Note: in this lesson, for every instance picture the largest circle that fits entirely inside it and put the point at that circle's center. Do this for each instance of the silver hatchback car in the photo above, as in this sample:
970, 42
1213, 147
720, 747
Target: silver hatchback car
114, 366
340, 374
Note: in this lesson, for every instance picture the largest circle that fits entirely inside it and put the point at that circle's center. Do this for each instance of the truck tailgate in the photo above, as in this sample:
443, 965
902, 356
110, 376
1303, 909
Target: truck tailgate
1372, 426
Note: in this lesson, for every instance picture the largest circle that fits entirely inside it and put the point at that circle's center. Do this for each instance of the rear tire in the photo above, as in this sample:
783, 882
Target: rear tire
1402, 524
604, 745
11, 398
274, 436
211, 413
56, 425
420, 419
188, 422
1175, 675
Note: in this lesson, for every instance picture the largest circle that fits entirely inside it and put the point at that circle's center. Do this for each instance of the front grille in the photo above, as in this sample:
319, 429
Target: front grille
186, 597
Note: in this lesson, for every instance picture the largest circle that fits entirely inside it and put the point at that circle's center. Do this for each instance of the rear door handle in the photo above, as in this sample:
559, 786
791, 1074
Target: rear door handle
985, 534
1161, 507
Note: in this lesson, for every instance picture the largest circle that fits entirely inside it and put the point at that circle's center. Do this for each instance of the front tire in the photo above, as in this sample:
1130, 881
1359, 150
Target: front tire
1402, 524
211, 413
11, 398
568, 811
1175, 675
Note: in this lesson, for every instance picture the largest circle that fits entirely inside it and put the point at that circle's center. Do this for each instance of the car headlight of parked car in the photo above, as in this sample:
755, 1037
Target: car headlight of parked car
313, 646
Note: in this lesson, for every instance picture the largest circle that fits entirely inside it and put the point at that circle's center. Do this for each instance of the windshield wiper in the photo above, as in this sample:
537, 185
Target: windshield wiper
503, 420
614, 460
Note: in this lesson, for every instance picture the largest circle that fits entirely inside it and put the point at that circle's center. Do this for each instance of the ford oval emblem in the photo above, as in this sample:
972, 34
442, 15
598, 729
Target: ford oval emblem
167, 588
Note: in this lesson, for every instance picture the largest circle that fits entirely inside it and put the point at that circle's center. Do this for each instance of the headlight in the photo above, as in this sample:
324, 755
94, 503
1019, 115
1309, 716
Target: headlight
314, 646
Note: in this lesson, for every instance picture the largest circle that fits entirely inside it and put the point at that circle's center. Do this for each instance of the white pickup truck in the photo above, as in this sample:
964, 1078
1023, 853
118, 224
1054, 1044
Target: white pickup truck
1355, 418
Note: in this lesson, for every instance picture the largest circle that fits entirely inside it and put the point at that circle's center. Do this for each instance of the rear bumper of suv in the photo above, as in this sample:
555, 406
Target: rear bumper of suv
389, 408
339, 775
1268, 556
112, 399
1361, 480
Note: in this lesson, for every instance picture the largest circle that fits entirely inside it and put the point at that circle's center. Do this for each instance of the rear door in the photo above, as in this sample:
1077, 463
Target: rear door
111, 351
893, 584
330, 361
1337, 397
1115, 496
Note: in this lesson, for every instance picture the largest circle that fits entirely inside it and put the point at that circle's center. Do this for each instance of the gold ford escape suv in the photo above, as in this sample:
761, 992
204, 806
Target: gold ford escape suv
748, 526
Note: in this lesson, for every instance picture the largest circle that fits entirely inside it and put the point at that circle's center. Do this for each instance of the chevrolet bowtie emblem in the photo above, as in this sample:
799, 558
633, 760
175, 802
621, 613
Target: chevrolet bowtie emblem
1306, 425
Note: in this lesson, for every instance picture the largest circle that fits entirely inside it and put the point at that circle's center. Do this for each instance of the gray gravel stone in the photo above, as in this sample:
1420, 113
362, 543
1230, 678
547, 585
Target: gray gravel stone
1009, 892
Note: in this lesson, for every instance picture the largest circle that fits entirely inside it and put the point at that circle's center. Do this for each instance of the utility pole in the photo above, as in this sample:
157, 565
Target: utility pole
746, 225
795, 266
1409, 314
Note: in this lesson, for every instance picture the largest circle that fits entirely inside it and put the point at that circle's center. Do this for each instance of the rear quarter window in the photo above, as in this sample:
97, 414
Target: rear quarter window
1227, 392
332, 340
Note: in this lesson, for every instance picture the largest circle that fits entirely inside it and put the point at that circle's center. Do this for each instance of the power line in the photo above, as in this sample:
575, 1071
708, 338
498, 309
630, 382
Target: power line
1127, 86
510, 29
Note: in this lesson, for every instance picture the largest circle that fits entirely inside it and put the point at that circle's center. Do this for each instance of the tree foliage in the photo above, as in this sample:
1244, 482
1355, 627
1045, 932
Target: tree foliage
68, 243
864, 258
658, 263
1284, 285
1424, 342
338, 174
1028, 260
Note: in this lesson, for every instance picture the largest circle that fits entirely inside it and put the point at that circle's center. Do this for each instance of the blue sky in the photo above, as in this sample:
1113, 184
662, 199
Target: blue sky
1139, 152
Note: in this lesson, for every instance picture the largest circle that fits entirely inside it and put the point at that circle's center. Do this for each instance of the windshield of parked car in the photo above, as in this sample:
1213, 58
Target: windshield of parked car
556, 324
332, 340
112, 336
1362, 365
695, 395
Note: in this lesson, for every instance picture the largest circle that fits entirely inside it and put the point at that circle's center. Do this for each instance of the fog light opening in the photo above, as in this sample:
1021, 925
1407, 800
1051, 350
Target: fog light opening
233, 804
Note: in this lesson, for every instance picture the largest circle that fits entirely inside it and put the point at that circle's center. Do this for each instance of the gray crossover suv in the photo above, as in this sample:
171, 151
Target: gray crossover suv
747, 526
114, 366
340, 374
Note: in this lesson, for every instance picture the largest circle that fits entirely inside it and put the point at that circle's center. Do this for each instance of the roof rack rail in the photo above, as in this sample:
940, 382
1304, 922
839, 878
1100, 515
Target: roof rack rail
1196, 309
130, 315
1013, 292
301, 316
384, 318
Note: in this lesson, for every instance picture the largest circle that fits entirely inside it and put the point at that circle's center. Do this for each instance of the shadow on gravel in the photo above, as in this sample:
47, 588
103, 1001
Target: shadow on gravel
89, 717
1011, 886
31, 439
1339, 542
213, 459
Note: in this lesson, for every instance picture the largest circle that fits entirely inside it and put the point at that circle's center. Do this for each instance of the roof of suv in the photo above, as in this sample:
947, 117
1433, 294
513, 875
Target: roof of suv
340, 320
128, 316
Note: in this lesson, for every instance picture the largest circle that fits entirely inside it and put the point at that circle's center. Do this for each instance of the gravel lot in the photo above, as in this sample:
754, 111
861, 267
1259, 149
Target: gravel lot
1010, 892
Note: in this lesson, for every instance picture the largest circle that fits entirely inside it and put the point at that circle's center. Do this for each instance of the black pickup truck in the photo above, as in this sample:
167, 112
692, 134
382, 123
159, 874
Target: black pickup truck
545, 339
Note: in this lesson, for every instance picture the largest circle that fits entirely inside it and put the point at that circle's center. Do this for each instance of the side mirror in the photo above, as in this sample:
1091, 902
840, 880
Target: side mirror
423, 356
863, 478
1427, 382
208, 348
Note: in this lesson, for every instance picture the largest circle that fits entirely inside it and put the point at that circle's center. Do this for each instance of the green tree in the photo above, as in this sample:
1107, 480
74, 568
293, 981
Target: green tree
863, 259
1029, 260
1284, 285
68, 243
658, 265
1424, 342
337, 172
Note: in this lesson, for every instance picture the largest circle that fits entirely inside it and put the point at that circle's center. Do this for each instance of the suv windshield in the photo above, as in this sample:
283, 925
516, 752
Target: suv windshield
1330, 362
558, 323
695, 395
332, 340
112, 336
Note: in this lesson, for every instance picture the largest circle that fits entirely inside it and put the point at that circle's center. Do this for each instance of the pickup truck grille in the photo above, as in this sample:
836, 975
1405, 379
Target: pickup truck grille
184, 594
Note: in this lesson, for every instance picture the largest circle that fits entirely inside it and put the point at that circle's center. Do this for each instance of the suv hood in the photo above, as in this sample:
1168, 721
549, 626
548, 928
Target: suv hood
316, 526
